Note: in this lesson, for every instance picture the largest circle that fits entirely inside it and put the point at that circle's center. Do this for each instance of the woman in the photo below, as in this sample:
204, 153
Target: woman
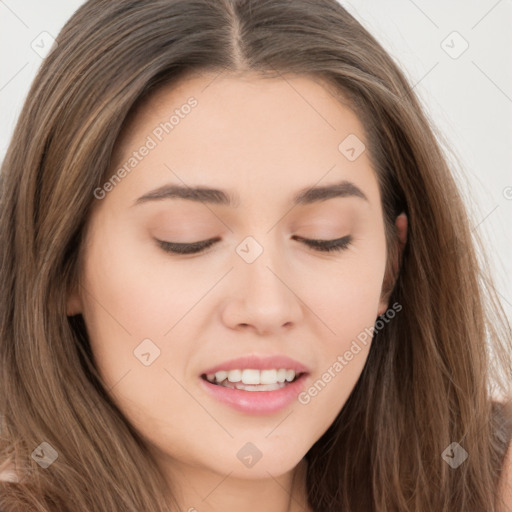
237, 274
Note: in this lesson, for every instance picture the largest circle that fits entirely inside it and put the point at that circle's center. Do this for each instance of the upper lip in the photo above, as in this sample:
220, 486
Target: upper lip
257, 362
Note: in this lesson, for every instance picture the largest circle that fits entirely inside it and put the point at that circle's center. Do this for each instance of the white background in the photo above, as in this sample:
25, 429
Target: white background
469, 97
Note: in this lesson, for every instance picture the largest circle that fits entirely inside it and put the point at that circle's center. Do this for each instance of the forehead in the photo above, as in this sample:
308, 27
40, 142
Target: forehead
285, 97
243, 130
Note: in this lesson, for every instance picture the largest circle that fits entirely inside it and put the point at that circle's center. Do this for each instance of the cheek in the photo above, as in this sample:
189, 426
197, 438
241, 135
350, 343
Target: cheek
343, 349
347, 302
132, 294
346, 294
129, 290
128, 304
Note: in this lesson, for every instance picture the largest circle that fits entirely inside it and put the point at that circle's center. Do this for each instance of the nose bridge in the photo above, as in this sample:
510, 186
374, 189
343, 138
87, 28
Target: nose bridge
263, 269
262, 247
263, 236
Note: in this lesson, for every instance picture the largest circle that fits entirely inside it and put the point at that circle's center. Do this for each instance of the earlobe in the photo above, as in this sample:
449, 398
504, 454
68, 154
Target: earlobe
74, 304
401, 224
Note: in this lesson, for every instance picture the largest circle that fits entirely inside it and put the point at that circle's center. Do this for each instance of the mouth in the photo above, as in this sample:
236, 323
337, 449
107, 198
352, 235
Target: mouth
253, 379
255, 391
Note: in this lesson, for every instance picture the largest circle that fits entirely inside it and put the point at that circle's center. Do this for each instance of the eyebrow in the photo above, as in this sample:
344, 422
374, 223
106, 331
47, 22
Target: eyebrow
306, 196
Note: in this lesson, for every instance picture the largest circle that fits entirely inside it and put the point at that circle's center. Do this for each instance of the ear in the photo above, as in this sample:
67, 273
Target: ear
74, 303
393, 266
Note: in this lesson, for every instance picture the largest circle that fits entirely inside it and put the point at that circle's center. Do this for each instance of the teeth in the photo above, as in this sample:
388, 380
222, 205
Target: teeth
252, 387
220, 376
252, 377
235, 375
269, 377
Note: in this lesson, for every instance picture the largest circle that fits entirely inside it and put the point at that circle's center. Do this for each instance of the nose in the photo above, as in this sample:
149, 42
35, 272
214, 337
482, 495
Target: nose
265, 294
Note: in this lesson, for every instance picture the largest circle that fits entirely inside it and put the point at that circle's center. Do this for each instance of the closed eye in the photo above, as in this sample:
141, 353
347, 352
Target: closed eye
339, 244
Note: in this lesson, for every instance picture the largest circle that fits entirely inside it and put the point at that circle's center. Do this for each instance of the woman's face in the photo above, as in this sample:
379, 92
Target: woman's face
159, 321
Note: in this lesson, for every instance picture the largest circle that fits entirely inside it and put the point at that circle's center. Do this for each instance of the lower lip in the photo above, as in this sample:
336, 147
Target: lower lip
257, 402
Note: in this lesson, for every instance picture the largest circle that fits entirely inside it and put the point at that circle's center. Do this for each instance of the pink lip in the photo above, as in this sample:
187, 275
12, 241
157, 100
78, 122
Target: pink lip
257, 402
259, 363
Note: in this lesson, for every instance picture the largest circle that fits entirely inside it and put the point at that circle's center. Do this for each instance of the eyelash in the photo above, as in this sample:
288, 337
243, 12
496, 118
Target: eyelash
338, 244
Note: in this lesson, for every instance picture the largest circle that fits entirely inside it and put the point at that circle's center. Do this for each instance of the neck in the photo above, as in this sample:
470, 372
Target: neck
200, 489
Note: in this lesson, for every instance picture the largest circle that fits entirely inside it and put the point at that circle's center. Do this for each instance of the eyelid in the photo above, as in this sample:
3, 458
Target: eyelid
326, 246
337, 243
187, 248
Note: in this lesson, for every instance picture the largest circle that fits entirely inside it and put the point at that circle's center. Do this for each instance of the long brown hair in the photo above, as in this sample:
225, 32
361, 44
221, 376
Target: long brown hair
433, 375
